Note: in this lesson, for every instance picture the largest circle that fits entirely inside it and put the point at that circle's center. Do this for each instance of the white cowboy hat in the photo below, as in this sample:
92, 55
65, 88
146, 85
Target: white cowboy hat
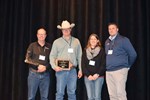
65, 24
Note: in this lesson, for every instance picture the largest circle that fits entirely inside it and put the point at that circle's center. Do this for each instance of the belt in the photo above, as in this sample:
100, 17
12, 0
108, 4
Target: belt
33, 70
72, 67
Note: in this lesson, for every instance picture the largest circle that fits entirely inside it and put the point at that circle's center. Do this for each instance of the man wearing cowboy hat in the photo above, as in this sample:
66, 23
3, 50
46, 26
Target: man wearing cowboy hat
67, 50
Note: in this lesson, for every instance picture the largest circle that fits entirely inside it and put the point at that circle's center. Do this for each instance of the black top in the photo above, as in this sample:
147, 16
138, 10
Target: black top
38, 55
98, 68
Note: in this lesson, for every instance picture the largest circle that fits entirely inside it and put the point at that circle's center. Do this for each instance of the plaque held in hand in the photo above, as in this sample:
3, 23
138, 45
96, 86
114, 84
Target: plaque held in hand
63, 64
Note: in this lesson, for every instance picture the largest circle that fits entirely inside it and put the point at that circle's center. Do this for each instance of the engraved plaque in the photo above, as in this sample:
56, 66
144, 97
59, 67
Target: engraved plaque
63, 64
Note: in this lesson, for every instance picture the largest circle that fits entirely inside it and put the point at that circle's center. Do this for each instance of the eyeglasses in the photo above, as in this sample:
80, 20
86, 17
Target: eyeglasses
41, 34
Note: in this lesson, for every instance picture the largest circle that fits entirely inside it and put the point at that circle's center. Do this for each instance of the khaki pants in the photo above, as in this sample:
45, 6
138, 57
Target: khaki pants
116, 84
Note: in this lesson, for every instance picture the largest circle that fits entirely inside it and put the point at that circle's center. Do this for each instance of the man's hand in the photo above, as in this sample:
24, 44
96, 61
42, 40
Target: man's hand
70, 65
57, 69
41, 68
79, 74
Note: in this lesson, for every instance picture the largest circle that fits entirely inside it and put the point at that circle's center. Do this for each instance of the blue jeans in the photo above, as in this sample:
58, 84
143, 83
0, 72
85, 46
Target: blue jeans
66, 78
41, 80
94, 88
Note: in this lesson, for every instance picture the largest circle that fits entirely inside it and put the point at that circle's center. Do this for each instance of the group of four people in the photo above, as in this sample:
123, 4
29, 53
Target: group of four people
116, 60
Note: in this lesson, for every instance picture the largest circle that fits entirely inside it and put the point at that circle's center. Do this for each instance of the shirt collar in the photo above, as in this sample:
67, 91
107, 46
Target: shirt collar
69, 38
112, 37
40, 45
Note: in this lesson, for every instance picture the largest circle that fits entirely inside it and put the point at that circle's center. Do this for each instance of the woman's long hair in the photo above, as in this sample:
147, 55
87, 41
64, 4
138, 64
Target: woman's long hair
98, 43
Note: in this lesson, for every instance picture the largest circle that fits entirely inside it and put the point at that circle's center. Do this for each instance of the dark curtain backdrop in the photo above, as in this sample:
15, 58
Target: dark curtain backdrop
20, 19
